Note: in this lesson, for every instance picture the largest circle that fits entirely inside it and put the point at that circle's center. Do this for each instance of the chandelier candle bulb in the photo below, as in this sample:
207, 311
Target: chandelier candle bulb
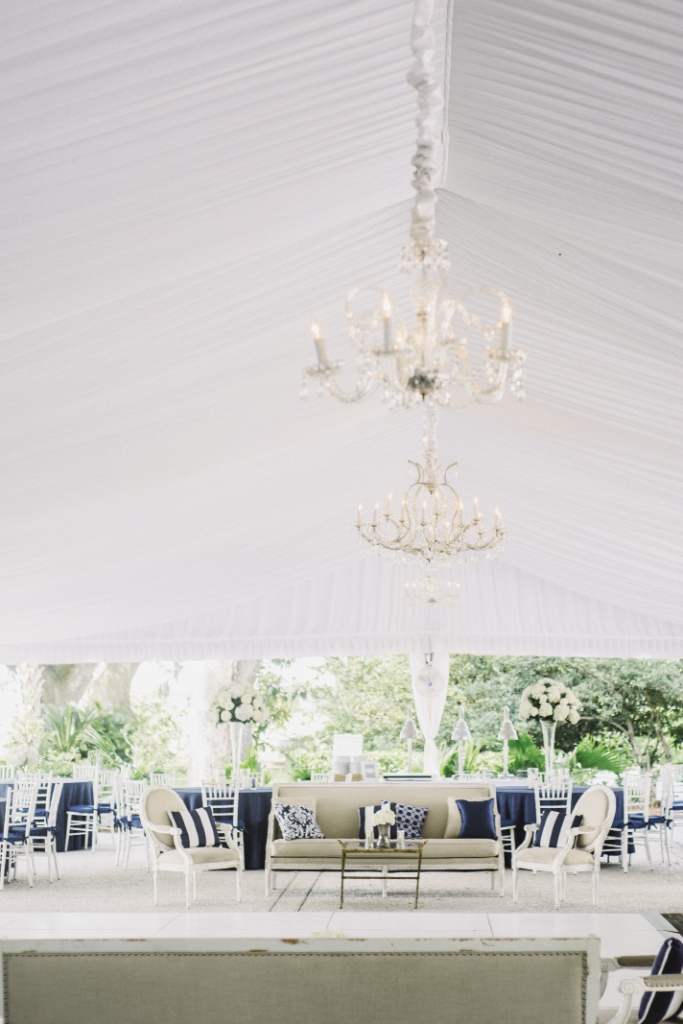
387, 317
505, 330
320, 348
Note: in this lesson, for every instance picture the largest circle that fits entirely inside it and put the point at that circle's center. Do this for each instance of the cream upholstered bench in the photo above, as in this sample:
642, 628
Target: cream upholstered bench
336, 807
300, 981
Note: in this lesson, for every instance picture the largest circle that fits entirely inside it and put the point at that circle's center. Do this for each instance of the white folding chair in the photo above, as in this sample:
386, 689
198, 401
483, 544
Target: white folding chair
19, 810
43, 834
87, 772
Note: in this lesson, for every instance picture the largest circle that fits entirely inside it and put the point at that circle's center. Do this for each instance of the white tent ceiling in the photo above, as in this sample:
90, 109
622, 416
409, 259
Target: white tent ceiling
185, 182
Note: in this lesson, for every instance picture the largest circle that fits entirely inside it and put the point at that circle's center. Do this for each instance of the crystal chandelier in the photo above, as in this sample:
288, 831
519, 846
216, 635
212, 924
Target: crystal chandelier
429, 356
429, 524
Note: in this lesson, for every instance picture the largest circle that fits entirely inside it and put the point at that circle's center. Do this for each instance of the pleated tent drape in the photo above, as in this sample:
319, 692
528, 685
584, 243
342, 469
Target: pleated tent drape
185, 185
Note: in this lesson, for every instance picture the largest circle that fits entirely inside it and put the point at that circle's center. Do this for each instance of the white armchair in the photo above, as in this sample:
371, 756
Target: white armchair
582, 850
168, 852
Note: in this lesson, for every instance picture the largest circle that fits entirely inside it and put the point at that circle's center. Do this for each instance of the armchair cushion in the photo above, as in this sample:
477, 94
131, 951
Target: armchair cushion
197, 828
297, 821
536, 855
200, 855
658, 1006
554, 828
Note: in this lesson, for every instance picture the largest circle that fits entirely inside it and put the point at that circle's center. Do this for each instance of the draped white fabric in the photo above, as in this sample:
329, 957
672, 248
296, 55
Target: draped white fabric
186, 183
430, 702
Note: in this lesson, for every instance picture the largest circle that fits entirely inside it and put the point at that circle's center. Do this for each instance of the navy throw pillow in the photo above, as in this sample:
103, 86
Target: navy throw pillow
657, 1006
477, 817
554, 828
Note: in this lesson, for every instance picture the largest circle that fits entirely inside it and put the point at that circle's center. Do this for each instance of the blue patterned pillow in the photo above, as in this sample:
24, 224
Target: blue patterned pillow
658, 1006
297, 821
411, 820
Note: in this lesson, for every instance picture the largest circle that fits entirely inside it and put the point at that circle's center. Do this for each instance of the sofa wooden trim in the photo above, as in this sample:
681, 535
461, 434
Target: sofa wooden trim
394, 791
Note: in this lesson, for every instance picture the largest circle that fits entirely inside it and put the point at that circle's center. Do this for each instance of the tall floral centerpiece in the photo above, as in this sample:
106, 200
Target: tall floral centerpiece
238, 704
551, 703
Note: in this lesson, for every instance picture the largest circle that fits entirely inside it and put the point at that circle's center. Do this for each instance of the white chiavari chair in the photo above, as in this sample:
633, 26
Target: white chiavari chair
169, 779
43, 835
224, 803
19, 810
7, 771
637, 793
107, 788
553, 794
81, 819
132, 831
321, 776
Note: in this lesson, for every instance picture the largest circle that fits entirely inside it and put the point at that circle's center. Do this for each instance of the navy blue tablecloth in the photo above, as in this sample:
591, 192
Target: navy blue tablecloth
253, 810
74, 792
516, 803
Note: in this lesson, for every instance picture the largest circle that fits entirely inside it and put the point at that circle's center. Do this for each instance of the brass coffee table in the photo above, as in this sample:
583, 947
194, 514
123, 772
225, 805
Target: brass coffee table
357, 856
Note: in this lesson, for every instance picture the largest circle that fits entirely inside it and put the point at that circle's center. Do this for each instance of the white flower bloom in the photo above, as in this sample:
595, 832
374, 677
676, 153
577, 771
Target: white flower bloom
554, 693
385, 816
538, 691
533, 712
246, 698
561, 713
237, 689
525, 709
244, 713
545, 709
574, 716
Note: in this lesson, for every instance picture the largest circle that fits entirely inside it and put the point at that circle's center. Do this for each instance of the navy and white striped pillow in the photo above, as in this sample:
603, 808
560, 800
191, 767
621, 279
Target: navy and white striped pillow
365, 815
198, 828
555, 825
658, 1006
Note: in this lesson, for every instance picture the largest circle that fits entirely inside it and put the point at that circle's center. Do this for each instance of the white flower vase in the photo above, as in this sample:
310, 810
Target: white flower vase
548, 744
383, 832
236, 737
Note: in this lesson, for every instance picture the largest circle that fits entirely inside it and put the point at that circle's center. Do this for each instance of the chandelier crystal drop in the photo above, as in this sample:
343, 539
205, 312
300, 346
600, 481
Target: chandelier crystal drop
431, 354
429, 524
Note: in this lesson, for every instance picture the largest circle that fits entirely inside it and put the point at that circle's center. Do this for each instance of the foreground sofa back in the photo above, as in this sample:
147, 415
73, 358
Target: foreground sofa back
301, 981
337, 803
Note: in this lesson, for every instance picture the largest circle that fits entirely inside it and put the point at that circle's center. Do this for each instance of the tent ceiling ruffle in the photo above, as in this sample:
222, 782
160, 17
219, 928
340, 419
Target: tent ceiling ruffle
187, 184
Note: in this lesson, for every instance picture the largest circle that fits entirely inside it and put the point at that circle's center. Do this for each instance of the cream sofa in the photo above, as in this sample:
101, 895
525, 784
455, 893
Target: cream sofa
336, 809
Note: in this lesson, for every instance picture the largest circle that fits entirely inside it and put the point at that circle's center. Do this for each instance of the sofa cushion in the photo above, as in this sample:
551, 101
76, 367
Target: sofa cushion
478, 821
297, 821
320, 848
434, 849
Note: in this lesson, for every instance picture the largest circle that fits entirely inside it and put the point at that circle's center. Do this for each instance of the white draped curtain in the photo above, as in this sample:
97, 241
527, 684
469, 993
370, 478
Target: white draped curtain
430, 700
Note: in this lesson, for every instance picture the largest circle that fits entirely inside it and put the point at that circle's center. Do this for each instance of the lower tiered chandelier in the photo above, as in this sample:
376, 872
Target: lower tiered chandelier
429, 524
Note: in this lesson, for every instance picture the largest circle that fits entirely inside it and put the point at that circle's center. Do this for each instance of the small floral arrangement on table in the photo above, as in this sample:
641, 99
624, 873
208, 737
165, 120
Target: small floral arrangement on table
239, 702
384, 816
550, 700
